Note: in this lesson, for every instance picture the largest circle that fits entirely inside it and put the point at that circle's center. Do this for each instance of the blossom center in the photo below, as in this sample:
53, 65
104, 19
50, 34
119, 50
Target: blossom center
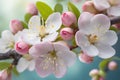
11, 44
92, 38
42, 32
28, 57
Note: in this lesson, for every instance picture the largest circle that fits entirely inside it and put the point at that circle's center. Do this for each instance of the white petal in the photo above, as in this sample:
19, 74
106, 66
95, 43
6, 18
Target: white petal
60, 47
101, 4
44, 67
22, 65
60, 68
114, 11
81, 39
67, 56
18, 36
34, 23
50, 37
84, 23
90, 50
31, 66
53, 23
105, 51
110, 37
31, 37
101, 23
7, 36
41, 49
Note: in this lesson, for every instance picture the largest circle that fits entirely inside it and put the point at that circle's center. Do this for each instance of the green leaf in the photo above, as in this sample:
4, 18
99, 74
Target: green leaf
14, 70
103, 64
4, 65
24, 24
102, 73
58, 8
44, 9
114, 29
73, 8
27, 17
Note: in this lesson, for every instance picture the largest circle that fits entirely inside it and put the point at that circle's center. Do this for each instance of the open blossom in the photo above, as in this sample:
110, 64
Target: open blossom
26, 62
94, 36
38, 32
112, 7
52, 58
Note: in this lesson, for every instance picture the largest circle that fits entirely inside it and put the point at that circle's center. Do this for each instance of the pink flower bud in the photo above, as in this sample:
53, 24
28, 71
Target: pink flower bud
85, 58
68, 18
22, 47
3, 75
94, 72
112, 65
88, 6
76, 1
101, 78
15, 26
31, 9
66, 33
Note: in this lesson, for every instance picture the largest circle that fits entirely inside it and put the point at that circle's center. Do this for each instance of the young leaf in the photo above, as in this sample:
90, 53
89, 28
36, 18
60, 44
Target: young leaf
24, 24
4, 65
73, 8
14, 70
27, 17
103, 64
58, 8
44, 9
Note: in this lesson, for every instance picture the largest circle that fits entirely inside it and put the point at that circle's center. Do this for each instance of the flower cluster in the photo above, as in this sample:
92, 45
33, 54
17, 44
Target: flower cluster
46, 39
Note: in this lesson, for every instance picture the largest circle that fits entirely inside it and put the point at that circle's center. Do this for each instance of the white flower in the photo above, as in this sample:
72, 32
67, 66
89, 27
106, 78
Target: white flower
38, 32
6, 41
112, 7
94, 36
25, 63
52, 58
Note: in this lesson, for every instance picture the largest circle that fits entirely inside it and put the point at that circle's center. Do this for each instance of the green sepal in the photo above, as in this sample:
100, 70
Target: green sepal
44, 9
74, 9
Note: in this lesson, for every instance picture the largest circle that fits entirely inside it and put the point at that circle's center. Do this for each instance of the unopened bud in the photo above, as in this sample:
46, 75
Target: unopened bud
3, 75
94, 72
31, 9
88, 6
112, 65
22, 47
66, 33
15, 26
68, 18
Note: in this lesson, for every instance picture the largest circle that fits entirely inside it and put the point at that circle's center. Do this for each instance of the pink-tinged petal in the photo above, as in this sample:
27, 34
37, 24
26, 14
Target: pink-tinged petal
114, 11
50, 37
60, 68
34, 23
22, 64
110, 37
60, 46
90, 50
105, 51
101, 4
84, 22
53, 23
31, 66
44, 67
68, 57
30, 37
81, 39
101, 23
41, 49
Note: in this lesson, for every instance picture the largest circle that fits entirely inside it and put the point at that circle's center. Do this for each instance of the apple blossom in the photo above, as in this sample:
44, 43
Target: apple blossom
66, 33
94, 36
15, 26
31, 9
3, 75
112, 7
52, 58
22, 47
112, 65
38, 32
68, 18
94, 72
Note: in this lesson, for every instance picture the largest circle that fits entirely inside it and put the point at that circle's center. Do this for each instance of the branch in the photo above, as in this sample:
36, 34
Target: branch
115, 20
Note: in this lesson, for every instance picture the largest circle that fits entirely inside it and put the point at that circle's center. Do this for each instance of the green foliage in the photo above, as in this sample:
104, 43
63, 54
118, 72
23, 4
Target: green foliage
44, 9
73, 8
24, 24
27, 17
103, 64
4, 65
14, 70
114, 29
58, 8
